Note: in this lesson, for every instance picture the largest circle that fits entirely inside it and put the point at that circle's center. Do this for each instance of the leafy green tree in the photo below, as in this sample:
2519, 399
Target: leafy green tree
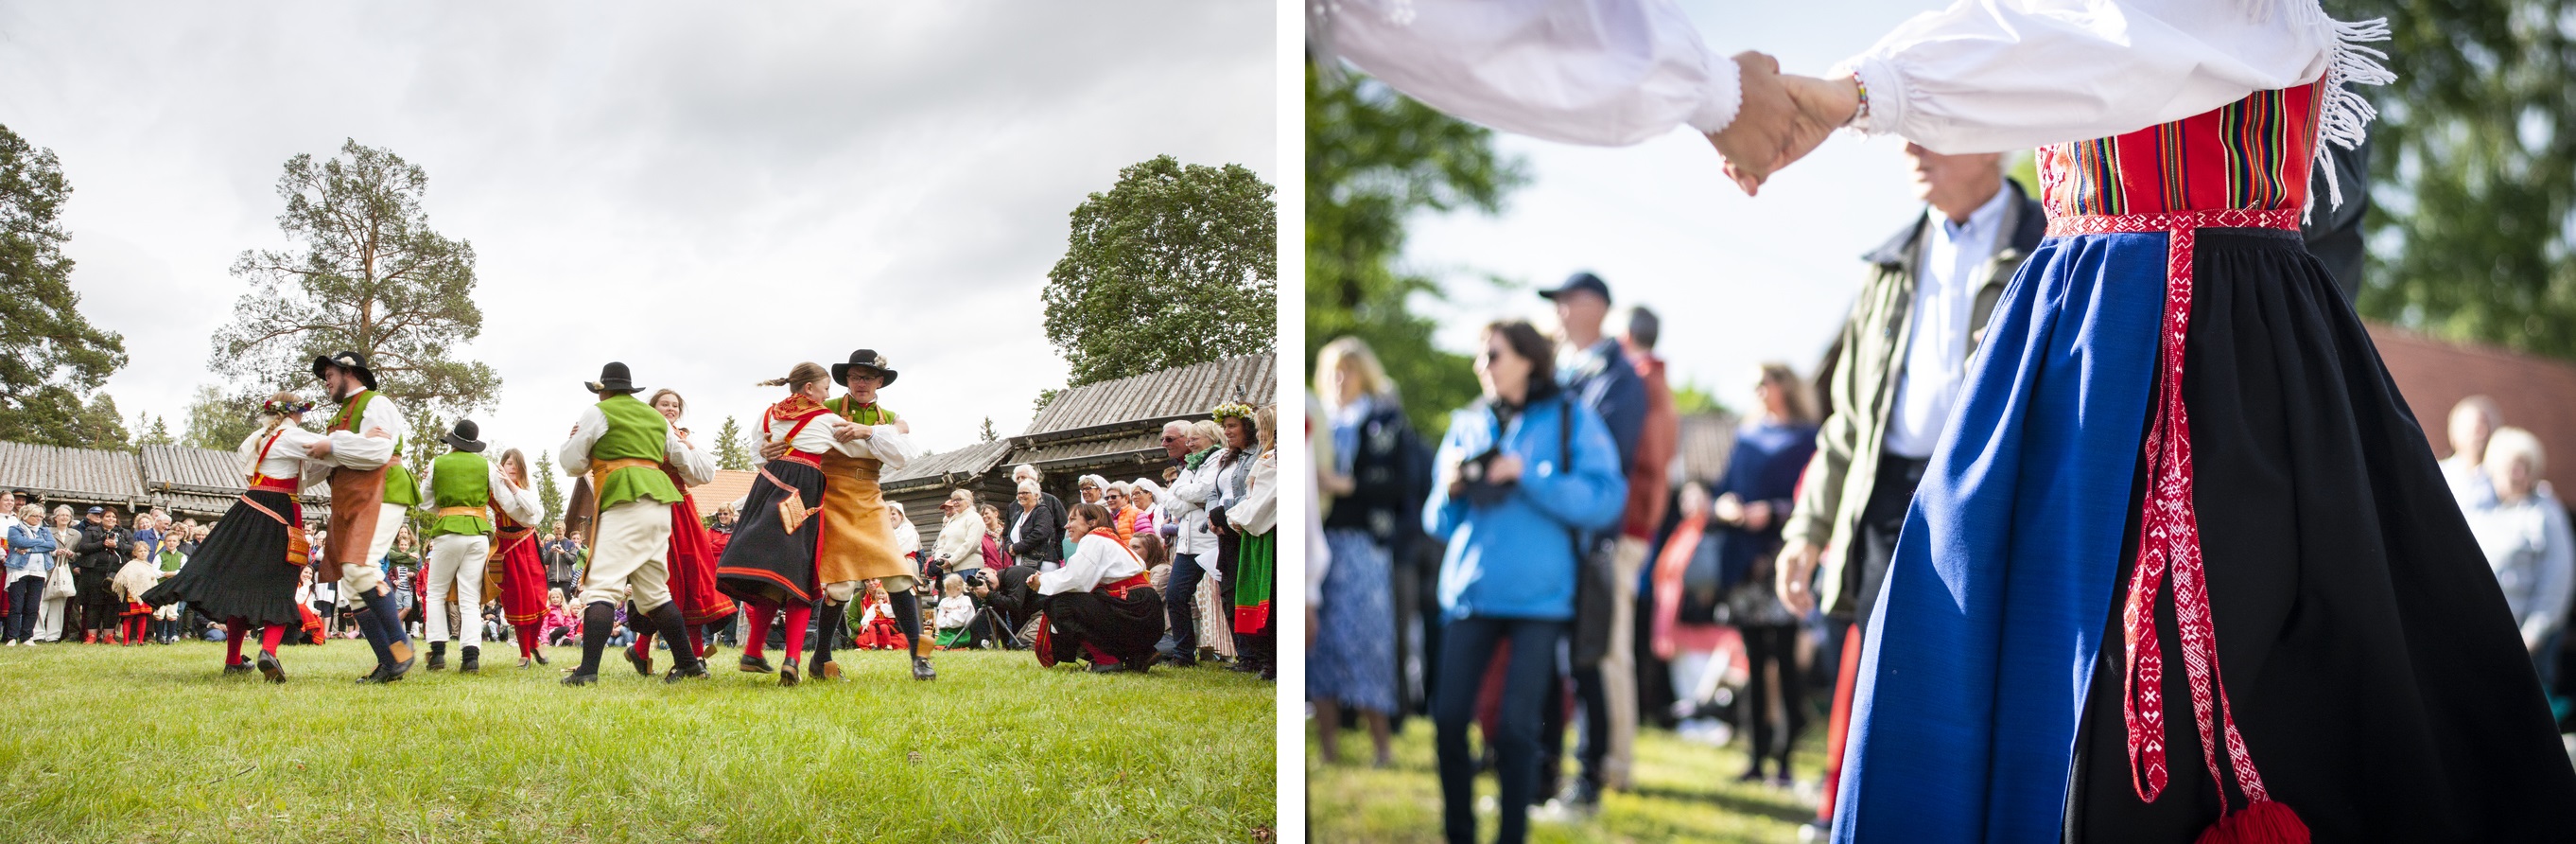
155, 431
221, 421
99, 425
732, 453
549, 495
2472, 228
369, 275
988, 434
1175, 265
50, 356
1374, 158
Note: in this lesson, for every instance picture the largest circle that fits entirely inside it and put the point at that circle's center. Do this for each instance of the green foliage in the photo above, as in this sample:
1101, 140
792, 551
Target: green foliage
988, 434
2473, 161
99, 425
368, 275
1374, 159
549, 494
155, 431
1175, 265
732, 454
50, 356
220, 421
1045, 397
1690, 397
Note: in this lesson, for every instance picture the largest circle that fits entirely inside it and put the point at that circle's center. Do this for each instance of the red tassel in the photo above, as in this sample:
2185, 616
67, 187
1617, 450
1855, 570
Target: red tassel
2263, 822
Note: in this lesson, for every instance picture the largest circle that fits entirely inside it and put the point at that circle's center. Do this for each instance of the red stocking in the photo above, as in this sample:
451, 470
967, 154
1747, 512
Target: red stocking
234, 630
797, 616
698, 641
761, 613
527, 641
269, 637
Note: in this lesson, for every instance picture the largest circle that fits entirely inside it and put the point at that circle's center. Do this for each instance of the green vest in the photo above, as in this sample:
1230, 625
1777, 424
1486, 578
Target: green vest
459, 479
401, 488
635, 432
874, 414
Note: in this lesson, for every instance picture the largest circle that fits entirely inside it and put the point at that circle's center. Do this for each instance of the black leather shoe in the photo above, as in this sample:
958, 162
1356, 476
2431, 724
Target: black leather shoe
376, 676
1243, 667
473, 661
237, 668
268, 667
1178, 661
438, 656
921, 669
680, 673
397, 670
787, 674
580, 679
539, 653
1108, 668
822, 669
754, 664
643, 663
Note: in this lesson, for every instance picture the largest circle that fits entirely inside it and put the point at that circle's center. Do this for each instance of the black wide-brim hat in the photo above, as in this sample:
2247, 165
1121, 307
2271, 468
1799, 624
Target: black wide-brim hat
863, 359
614, 378
463, 437
355, 363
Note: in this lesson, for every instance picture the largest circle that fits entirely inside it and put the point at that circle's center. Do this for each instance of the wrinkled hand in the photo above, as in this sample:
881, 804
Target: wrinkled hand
1797, 569
773, 450
1780, 119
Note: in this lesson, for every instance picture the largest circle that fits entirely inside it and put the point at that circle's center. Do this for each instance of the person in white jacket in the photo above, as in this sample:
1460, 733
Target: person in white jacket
1194, 548
960, 546
2527, 542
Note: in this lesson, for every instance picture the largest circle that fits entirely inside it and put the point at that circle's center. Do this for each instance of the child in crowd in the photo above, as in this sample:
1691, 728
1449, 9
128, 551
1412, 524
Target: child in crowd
141, 571
877, 628
955, 613
559, 626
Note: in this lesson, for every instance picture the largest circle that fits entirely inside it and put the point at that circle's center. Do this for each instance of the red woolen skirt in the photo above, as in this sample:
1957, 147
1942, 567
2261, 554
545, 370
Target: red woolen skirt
523, 581
693, 567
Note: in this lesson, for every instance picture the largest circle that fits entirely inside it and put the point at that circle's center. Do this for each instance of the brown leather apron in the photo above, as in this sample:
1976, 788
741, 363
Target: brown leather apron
357, 498
856, 543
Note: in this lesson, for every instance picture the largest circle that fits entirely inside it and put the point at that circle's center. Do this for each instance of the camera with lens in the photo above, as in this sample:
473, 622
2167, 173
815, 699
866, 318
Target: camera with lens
1473, 479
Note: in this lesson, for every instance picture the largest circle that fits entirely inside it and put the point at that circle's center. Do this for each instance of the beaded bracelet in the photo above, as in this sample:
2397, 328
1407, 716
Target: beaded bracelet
1860, 114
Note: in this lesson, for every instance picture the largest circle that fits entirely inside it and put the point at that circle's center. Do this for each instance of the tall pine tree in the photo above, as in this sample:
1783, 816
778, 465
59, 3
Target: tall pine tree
50, 356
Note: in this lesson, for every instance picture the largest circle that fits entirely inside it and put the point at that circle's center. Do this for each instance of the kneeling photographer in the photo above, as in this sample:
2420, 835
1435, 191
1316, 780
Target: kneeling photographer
1100, 606
1524, 474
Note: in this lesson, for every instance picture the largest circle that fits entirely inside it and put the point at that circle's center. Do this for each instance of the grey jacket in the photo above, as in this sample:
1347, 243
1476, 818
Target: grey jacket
1863, 385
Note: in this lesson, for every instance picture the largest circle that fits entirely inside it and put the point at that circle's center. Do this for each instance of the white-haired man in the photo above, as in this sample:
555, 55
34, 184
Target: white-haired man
1194, 548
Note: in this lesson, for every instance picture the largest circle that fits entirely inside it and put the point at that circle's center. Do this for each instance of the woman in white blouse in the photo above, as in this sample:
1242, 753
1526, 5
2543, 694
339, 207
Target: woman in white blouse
960, 546
1100, 606
245, 573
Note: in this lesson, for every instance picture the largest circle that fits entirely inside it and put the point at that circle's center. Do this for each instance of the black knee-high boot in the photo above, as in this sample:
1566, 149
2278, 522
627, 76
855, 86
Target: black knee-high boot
907, 617
666, 620
830, 620
596, 619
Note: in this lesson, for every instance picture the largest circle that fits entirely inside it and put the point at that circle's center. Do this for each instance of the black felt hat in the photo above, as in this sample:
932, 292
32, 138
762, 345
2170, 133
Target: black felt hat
863, 359
355, 363
614, 378
463, 438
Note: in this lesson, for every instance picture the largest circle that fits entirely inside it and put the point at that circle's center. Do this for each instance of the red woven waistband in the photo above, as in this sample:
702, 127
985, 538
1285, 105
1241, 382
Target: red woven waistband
2220, 218
285, 485
1120, 589
809, 458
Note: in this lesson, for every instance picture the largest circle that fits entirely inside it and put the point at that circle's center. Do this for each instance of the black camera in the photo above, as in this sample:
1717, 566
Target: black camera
1472, 483
975, 578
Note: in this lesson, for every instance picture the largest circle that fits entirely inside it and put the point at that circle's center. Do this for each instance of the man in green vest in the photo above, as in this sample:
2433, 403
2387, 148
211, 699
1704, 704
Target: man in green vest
371, 493
462, 486
622, 445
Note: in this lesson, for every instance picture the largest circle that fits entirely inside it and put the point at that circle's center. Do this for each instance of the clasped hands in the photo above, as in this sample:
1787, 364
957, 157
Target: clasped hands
1780, 119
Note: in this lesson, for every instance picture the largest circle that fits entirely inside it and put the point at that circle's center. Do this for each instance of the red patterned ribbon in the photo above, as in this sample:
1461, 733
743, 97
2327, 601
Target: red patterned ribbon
2169, 531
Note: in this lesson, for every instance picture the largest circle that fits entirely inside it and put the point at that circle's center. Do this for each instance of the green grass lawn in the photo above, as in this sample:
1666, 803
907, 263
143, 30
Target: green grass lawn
1685, 792
150, 744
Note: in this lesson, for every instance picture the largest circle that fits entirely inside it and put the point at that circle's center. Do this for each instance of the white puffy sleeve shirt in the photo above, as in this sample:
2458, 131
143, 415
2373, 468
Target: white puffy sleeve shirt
285, 459
694, 466
1978, 76
816, 437
1096, 560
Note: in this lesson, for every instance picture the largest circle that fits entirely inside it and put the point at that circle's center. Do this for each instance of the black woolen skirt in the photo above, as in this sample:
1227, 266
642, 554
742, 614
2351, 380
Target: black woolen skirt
765, 562
1125, 627
2374, 670
240, 570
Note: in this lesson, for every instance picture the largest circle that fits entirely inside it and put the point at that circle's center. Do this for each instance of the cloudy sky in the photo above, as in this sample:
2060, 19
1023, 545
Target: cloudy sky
1737, 280
708, 192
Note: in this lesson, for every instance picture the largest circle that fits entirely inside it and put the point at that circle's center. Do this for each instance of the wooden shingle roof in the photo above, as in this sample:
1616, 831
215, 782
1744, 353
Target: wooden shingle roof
1188, 391
75, 474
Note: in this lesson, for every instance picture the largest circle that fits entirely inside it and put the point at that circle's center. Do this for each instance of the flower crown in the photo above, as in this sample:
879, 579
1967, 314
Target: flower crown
1232, 409
285, 407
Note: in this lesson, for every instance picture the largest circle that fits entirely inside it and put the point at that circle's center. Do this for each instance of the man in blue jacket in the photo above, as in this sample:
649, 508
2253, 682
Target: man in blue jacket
1596, 374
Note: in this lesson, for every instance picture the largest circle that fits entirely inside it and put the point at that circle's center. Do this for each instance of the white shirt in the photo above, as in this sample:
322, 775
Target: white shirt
2529, 547
2468, 483
519, 503
814, 438
1979, 76
1945, 301
354, 449
1192, 492
285, 459
954, 611
1258, 512
1096, 560
694, 466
